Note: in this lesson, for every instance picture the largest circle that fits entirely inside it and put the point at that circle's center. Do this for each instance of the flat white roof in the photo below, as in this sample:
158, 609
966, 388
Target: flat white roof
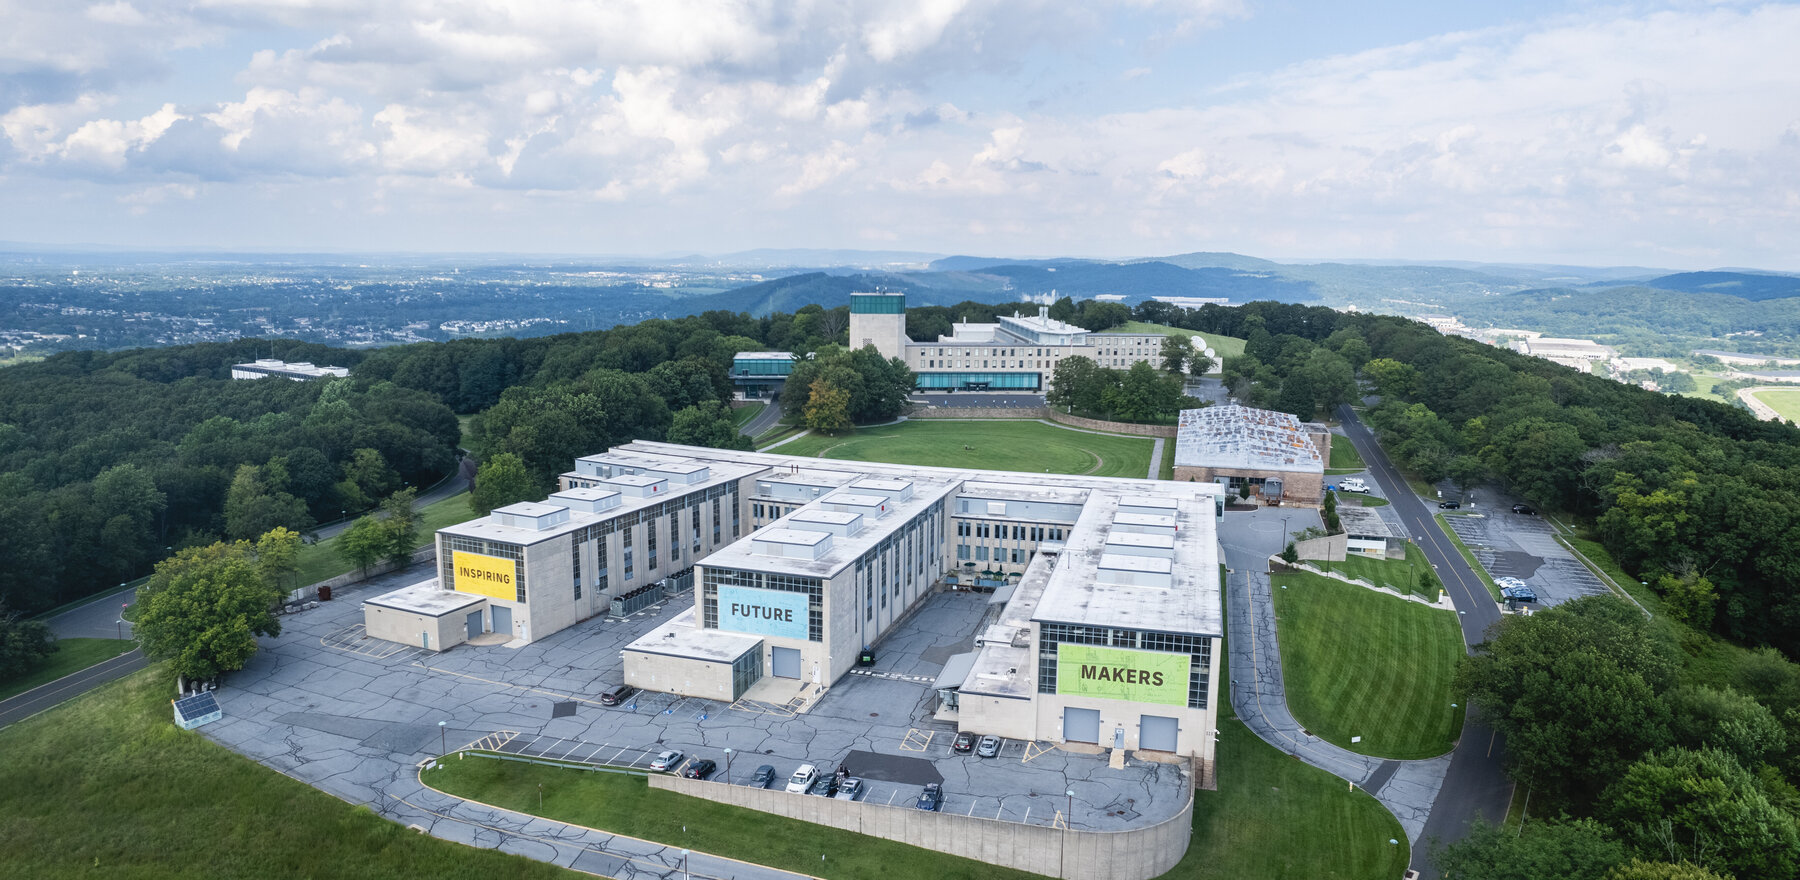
681, 638
835, 517
488, 528
426, 598
763, 356
584, 493
1140, 539
530, 508
635, 479
1122, 562
800, 537
1193, 603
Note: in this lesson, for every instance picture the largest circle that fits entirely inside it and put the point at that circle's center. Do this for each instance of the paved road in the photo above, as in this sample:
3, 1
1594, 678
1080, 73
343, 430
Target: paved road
762, 421
1476, 783
1258, 690
69, 686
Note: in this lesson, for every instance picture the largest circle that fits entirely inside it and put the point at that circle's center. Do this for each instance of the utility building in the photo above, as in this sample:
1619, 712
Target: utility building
1280, 459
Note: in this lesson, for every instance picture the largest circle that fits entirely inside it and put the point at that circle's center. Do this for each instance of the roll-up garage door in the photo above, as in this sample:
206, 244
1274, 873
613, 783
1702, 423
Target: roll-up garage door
1158, 734
502, 619
1081, 725
786, 662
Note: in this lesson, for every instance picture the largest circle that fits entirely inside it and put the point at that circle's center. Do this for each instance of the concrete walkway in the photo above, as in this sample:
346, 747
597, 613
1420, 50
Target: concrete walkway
1156, 450
1259, 695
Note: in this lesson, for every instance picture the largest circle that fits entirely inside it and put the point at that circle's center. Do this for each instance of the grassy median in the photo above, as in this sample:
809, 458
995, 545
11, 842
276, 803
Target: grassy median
1360, 664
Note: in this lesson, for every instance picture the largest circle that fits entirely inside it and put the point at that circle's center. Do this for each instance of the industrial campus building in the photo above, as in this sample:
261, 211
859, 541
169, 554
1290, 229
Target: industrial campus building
1279, 457
1106, 620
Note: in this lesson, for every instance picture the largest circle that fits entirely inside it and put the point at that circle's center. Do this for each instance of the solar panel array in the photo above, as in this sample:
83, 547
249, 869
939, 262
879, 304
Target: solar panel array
191, 712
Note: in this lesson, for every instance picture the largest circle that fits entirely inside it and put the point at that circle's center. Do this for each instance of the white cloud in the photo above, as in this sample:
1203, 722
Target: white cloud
1670, 126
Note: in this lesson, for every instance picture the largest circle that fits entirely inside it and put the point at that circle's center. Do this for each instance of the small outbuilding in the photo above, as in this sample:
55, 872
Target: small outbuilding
424, 616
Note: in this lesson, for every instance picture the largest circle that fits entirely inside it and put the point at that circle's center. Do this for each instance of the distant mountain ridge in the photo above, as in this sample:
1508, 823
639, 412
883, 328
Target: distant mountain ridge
1752, 286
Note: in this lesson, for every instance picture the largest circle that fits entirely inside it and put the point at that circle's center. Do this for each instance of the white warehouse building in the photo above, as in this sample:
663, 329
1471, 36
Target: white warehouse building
1110, 632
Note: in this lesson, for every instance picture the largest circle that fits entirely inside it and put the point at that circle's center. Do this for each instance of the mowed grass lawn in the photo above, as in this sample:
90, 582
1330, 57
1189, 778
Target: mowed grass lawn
997, 445
1344, 455
322, 561
626, 804
1223, 346
1785, 401
1358, 663
1277, 818
108, 786
72, 655
1395, 574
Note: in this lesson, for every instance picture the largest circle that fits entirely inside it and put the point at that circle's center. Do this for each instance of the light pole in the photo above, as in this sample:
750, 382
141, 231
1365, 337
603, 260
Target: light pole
684, 866
441, 749
727, 766
1068, 823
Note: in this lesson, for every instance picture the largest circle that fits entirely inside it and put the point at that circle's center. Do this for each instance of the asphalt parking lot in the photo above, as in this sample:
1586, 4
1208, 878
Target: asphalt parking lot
1508, 544
332, 707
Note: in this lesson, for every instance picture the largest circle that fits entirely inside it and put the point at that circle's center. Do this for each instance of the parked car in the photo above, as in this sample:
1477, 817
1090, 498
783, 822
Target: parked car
851, 789
803, 779
1518, 593
1526, 509
667, 761
931, 798
700, 769
1354, 484
990, 747
1449, 505
964, 742
617, 695
763, 777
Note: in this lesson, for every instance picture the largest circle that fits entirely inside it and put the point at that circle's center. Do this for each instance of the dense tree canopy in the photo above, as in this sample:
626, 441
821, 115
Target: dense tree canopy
203, 609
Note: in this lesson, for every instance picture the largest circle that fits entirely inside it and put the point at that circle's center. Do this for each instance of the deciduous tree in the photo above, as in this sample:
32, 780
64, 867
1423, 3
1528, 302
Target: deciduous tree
827, 408
501, 480
203, 609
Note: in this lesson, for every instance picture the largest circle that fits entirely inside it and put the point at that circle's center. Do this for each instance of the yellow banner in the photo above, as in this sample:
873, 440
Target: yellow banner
482, 575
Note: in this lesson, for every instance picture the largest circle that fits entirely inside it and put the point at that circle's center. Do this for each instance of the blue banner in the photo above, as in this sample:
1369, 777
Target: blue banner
763, 612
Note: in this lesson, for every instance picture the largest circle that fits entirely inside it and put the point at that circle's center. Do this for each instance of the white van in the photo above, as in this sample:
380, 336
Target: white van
803, 779
1354, 484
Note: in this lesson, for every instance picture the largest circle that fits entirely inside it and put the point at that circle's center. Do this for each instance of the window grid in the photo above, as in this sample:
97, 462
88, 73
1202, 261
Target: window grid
1199, 648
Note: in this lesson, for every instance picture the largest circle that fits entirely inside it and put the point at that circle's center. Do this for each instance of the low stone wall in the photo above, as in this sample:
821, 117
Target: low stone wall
1138, 854
978, 412
1444, 603
1038, 412
1113, 427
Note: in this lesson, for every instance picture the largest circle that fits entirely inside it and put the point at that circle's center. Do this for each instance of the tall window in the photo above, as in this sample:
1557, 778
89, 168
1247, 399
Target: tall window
575, 554
626, 533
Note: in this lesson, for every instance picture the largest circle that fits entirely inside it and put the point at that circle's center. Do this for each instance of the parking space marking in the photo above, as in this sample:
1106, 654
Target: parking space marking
493, 742
517, 687
757, 707
917, 740
355, 640
1035, 749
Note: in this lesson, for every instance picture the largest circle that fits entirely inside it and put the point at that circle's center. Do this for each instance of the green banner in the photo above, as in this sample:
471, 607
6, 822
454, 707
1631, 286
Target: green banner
1122, 674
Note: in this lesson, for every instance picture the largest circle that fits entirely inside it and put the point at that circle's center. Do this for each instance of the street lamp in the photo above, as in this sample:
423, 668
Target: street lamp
684, 866
441, 749
727, 766
1068, 823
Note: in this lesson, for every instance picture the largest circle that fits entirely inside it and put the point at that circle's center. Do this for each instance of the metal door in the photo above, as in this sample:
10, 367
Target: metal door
1081, 725
474, 624
786, 662
1158, 734
502, 619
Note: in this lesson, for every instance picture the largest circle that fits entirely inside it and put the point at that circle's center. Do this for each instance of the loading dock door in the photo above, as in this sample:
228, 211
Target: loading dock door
502, 619
1158, 734
474, 624
786, 662
1081, 725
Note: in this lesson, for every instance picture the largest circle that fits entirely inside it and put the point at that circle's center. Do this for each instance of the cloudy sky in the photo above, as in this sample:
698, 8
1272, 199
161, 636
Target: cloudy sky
1651, 133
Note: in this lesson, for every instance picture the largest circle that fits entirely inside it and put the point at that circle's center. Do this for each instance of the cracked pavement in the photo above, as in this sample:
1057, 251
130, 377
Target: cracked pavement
355, 716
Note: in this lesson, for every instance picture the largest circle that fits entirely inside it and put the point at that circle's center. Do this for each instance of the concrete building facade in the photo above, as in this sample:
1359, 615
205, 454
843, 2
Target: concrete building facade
1015, 353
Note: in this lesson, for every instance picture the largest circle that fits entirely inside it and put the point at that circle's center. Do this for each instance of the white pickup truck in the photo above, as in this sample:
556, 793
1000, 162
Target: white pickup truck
1354, 484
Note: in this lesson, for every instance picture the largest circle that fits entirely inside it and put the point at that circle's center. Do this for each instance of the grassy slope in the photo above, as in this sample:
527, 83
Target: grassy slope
996, 445
1358, 663
322, 561
1396, 574
1275, 818
1344, 455
743, 414
72, 655
1166, 470
1223, 346
627, 805
134, 796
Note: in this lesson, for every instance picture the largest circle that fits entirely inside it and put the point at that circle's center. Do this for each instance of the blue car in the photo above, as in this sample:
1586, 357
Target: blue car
932, 798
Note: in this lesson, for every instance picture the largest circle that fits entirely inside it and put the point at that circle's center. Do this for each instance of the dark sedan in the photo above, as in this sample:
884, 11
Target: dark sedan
931, 798
763, 777
699, 768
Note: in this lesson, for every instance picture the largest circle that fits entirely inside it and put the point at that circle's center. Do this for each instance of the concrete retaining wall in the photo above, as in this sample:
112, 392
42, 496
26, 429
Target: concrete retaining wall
1331, 548
978, 412
1138, 854
427, 553
1038, 412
